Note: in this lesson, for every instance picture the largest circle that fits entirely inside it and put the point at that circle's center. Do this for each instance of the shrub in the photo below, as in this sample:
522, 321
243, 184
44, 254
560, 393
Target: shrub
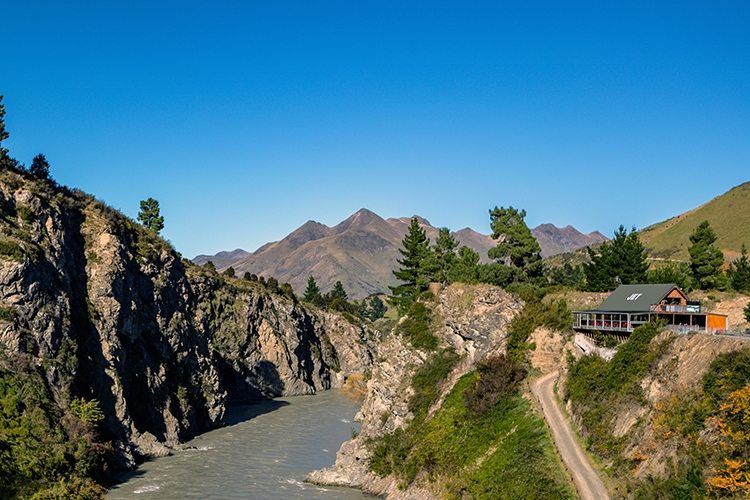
8, 314
417, 327
498, 376
11, 249
426, 380
25, 213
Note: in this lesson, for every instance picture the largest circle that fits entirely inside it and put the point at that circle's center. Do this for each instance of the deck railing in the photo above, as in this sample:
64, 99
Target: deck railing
675, 308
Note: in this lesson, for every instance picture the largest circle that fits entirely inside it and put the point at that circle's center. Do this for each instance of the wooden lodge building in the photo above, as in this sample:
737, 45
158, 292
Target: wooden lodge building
630, 306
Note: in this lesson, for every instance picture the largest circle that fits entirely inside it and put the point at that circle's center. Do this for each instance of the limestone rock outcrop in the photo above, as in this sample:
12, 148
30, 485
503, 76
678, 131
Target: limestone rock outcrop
475, 320
109, 311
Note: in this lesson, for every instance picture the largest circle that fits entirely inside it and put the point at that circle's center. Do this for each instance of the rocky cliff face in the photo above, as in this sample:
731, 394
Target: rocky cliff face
110, 312
474, 321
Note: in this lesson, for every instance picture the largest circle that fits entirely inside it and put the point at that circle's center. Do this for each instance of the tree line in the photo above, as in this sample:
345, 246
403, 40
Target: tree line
516, 259
623, 260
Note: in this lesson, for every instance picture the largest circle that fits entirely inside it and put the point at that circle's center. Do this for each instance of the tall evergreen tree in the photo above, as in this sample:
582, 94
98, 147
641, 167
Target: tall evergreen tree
705, 259
739, 272
465, 267
312, 291
620, 261
149, 215
338, 291
628, 257
442, 257
598, 272
3, 133
376, 309
40, 167
516, 246
416, 249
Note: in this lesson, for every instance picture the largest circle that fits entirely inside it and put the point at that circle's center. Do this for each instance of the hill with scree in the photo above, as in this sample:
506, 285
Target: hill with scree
728, 214
362, 251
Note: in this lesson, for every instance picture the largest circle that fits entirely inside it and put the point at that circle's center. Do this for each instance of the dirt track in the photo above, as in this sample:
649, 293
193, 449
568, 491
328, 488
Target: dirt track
588, 482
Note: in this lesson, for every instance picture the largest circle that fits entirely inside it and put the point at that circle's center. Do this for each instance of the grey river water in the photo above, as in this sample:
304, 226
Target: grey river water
264, 453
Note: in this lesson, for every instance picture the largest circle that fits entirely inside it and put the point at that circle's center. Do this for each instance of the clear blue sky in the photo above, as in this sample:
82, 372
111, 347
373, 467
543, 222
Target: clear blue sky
245, 119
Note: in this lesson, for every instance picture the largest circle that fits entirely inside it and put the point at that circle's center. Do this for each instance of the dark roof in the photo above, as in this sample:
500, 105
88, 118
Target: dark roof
635, 298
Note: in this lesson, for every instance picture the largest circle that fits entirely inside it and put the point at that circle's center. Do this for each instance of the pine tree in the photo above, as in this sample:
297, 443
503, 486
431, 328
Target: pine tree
705, 259
39, 167
3, 133
516, 246
442, 257
415, 280
312, 291
149, 215
739, 272
376, 309
598, 272
620, 261
464, 268
338, 291
628, 257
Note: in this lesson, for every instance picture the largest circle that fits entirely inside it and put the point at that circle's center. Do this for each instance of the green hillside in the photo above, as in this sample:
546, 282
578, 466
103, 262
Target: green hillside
728, 214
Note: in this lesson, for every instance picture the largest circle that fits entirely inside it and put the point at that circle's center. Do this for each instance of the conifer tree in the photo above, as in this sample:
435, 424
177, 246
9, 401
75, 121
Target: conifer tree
312, 291
465, 267
3, 133
338, 291
621, 261
598, 272
628, 257
376, 309
415, 280
739, 272
40, 167
149, 215
516, 246
705, 259
442, 257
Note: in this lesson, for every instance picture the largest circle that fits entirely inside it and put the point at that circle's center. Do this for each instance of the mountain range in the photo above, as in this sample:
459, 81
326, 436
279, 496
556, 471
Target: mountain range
362, 252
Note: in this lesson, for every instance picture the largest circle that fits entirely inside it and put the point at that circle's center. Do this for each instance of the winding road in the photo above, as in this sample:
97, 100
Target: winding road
588, 482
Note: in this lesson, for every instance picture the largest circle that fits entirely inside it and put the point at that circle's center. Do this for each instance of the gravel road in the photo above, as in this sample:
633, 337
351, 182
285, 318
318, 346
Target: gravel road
588, 482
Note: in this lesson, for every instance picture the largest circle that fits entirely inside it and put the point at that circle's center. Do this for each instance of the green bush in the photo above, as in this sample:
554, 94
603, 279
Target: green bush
417, 327
503, 453
597, 387
425, 381
535, 314
498, 376
11, 249
25, 213
8, 314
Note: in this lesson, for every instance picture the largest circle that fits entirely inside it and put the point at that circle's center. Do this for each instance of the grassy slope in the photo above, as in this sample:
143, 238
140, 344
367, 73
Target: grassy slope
728, 214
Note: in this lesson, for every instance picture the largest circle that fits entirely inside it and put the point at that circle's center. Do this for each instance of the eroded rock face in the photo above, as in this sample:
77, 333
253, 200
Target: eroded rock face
112, 313
475, 321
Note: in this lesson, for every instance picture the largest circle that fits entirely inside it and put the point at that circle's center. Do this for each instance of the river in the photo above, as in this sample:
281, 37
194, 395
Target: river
263, 453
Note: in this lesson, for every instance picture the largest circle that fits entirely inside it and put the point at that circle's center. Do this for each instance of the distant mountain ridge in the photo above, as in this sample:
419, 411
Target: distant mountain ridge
362, 252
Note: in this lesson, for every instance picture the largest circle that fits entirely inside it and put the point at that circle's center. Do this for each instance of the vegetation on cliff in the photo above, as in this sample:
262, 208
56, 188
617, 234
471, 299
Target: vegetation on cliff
484, 440
691, 444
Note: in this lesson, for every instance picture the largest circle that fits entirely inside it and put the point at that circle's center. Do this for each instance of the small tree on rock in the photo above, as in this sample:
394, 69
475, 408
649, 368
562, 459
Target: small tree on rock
517, 247
312, 291
376, 309
338, 291
149, 215
40, 167
412, 273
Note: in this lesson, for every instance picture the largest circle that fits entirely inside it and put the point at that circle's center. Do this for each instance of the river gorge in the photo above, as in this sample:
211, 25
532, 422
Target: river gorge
263, 453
